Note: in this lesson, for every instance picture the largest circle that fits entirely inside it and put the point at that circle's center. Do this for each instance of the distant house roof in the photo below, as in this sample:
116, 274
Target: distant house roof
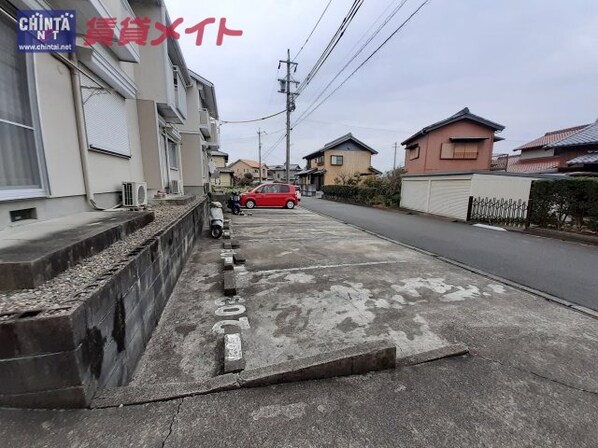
551, 137
463, 114
218, 153
543, 165
585, 136
340, 141
207, 92
251, 163
293, 167
590, 158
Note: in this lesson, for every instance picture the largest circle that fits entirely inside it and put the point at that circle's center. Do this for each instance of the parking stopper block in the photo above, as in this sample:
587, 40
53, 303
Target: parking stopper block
233, 353
230, 285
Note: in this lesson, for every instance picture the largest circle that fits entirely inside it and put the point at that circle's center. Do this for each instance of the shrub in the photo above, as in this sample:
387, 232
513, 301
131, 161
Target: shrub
374, 190
560, 201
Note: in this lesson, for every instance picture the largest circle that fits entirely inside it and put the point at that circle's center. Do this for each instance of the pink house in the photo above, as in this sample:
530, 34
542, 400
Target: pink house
462, 142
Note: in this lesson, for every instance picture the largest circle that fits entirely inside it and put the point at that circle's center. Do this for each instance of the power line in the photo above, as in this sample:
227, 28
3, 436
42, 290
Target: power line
367, 42
313, 30
253, 120
332, 44
307, 114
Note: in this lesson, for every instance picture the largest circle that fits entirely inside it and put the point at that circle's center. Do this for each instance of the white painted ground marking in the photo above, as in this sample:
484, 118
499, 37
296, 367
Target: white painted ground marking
300, 277
486, 226
242, 323
230, 310
330, 266
498, 289
461, 294
232, 347
290, 411
412, 285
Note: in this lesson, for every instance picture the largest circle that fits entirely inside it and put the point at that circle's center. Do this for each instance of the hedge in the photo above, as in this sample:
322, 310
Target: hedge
565, 202
362, 195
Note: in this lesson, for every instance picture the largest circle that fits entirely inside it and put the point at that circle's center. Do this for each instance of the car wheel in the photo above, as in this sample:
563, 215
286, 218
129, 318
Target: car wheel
250, 204
290, 205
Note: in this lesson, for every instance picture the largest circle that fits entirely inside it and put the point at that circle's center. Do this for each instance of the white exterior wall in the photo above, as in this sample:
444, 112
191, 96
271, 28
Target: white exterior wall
505, 187
536, 154
449, 195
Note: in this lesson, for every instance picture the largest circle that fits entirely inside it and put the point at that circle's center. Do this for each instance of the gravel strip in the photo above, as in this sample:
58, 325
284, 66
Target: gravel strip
57, 295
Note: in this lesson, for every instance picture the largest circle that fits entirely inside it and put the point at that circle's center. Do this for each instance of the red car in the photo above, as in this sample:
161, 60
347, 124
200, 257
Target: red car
271, 195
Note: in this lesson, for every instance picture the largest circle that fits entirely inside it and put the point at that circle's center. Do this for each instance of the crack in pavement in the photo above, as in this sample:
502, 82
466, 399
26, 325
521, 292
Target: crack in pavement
178, 409
536, 374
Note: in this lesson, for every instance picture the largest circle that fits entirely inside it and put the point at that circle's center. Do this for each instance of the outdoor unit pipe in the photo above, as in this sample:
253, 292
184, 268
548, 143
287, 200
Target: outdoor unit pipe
82, 131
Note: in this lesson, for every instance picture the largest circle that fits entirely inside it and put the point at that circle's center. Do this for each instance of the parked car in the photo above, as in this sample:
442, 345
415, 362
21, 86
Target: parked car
271, 195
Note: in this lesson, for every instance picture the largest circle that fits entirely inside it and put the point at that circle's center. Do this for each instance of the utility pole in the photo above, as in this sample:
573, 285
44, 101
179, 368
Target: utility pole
286, 87
259, 137
394, 164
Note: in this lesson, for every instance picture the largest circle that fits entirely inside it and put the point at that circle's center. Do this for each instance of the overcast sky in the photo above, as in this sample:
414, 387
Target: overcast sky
531, 65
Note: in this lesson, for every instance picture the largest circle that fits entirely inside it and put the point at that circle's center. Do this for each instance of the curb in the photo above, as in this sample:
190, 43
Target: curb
546, 296
362, 358
359, 359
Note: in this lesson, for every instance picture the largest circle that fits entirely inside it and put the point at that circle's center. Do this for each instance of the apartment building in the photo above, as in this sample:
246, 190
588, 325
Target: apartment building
74, 126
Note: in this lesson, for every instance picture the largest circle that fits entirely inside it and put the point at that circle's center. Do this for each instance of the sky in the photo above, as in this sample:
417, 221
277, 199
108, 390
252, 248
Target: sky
530, 65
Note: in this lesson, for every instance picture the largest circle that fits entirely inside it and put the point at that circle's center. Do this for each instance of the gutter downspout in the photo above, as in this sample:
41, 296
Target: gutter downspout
82, 131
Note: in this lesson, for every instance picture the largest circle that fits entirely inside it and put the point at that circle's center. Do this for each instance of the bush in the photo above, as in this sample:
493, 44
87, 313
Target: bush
565, 201
374, 190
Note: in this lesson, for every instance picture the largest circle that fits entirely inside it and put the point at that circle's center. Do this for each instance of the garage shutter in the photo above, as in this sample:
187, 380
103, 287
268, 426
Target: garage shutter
105, 118
414, 194
450, 197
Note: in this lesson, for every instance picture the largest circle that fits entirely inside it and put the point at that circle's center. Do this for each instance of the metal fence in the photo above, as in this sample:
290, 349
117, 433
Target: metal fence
500, 211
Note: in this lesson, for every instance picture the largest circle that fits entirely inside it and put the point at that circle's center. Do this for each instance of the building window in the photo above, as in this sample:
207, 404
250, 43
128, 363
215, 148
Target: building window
20, 145
459, 151
173, 155
105, 119
336, 160
320, 160
413, 152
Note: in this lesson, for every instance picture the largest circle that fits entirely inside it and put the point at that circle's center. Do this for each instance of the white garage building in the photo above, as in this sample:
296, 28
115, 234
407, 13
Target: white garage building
447, 194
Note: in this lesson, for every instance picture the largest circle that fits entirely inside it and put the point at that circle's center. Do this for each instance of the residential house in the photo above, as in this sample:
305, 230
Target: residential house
244, 166
553, 151
222, 175
340, 158
461, 142
451, 161
75, 127
279, 172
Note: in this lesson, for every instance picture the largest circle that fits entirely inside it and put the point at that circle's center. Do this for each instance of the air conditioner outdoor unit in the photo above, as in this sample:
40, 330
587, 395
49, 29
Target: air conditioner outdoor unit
134, 194
175, 187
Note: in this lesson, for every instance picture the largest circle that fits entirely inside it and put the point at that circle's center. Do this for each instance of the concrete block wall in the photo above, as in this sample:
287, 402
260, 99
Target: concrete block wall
59, 361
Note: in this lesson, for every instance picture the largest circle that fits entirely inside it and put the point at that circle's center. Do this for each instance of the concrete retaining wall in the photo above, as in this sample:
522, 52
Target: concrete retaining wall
59, 361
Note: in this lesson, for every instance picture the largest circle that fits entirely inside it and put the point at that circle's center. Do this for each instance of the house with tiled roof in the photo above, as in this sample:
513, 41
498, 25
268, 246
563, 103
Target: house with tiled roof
244, 166
553, 151
462, 142
344, 157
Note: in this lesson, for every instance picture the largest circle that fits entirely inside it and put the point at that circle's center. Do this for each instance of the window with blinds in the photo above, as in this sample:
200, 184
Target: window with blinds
105, 119
459, 151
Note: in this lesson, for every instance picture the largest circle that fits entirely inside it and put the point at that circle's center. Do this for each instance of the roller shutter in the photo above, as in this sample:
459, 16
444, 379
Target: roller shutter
414, 194
105, 119
450, 197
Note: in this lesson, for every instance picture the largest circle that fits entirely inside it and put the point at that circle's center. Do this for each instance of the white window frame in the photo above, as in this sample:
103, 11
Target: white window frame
44, 190
336, 157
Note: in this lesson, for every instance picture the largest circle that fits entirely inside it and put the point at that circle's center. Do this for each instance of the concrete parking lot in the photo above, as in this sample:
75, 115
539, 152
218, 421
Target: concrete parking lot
312, 284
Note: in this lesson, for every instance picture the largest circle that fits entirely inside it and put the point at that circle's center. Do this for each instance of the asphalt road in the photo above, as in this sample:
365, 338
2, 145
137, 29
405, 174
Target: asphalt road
565, 270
